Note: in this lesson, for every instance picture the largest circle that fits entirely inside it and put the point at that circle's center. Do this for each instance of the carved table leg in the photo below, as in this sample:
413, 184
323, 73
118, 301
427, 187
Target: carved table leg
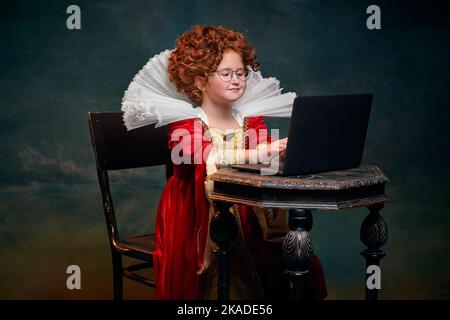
374, 235
223, 231
297, 251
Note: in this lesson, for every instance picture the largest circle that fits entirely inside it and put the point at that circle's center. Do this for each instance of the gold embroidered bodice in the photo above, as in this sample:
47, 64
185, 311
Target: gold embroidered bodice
227, 148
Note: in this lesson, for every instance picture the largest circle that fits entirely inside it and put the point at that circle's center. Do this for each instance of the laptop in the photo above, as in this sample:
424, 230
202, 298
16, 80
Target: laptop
326, 133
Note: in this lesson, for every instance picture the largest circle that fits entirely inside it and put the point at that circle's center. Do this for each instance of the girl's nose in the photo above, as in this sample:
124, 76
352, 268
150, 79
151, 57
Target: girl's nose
234, 78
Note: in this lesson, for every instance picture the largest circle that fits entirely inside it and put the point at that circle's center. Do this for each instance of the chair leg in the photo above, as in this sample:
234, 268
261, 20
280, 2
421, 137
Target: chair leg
117, 276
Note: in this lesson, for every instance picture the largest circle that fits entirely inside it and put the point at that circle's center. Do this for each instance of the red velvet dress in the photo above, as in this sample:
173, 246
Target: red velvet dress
182, 224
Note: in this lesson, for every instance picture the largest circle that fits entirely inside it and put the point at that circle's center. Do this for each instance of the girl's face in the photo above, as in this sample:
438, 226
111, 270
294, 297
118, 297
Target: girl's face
221, 92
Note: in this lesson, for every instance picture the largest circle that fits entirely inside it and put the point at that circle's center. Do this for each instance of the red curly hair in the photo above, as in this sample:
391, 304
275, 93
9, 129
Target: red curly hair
199, 51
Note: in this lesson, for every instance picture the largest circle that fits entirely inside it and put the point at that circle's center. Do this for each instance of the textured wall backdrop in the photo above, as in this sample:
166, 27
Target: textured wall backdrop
50, 77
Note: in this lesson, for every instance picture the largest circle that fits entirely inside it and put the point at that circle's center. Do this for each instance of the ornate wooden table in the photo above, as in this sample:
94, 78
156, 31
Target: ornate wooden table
333, 190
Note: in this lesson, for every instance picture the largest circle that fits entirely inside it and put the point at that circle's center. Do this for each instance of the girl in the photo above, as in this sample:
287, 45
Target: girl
215, 69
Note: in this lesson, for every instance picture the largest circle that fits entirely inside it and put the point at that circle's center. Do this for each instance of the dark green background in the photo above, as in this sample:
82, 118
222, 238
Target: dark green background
50, 77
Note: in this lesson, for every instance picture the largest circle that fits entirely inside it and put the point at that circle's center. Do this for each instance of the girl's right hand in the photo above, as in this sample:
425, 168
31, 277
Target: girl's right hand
278, 146
267, 152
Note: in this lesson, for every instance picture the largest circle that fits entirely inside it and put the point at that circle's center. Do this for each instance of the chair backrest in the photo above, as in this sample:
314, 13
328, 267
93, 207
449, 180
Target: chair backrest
116, 148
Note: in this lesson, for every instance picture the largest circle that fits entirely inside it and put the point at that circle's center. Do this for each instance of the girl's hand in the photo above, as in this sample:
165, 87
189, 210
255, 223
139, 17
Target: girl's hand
266, 152
278, 146
282, 155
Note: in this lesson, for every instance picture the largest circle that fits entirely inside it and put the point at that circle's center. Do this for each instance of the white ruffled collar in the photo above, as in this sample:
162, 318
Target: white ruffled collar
151, 98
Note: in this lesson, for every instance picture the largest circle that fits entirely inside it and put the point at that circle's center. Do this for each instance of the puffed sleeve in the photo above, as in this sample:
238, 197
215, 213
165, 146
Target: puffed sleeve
188, 143
257, 132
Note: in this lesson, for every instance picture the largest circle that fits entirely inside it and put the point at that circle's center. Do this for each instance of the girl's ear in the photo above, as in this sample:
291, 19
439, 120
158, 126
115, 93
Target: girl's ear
200, 83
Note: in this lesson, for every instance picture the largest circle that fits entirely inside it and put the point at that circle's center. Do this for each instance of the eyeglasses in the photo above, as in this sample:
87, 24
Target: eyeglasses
227, 74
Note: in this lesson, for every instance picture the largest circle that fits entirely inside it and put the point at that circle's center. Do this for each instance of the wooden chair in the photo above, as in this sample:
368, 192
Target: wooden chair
116, 148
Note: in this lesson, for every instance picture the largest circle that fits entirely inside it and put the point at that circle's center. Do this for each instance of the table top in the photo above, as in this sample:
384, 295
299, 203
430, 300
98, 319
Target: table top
363, 176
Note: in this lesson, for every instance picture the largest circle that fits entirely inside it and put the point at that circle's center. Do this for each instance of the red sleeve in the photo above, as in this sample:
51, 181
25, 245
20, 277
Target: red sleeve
186, 139
257, 131
187, 142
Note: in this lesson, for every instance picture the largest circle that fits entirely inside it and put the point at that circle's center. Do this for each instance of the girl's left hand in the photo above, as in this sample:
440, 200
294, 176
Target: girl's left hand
282, 155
